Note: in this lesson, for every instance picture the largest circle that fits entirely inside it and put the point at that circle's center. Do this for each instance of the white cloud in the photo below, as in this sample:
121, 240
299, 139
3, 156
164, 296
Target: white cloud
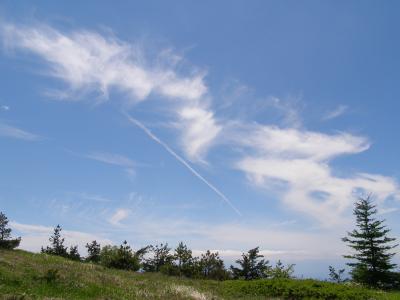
287, 108
88, 61
17, 133
270, 156
119, 215
36, 236
4, 107
200, 131
337, 112
299, 161
112, 159
299, 144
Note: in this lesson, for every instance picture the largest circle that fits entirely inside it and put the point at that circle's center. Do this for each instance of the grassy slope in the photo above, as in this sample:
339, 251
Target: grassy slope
24, 273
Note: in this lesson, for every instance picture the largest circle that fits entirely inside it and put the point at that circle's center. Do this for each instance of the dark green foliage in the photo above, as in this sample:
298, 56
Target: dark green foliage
184, 260
93, 252
10, 244
281, 271
57, 244
251, 266
161, 257
212, 266
336, 276
170, 269
6, 242
74, 253
5, 232
371, 260
122, 257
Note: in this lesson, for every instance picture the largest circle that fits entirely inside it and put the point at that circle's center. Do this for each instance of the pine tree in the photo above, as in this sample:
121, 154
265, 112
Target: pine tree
251, 266
161, 257
74, 253
5, 232
57, 244
184, 258
93, 251
212, 266
6, 241
371, 260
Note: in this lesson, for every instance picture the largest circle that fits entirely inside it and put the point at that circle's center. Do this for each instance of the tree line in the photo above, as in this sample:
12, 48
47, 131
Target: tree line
162, 258
370, 259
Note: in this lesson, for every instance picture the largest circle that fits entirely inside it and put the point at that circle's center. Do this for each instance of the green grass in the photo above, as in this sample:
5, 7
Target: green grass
25, 275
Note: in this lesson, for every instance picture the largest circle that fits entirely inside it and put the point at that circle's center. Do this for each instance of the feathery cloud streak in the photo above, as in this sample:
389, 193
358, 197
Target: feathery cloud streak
17, 133
88, 61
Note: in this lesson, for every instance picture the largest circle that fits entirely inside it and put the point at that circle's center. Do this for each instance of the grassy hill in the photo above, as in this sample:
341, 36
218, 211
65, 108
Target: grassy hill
25, 275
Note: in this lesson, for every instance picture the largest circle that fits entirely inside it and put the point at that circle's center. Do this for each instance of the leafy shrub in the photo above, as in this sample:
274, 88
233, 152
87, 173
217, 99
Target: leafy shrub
170, 269
281, 271
10, 244
119, 257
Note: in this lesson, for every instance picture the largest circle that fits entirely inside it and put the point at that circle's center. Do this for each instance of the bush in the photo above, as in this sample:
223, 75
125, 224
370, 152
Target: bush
6, 242
119, 257
10, 244
170, 269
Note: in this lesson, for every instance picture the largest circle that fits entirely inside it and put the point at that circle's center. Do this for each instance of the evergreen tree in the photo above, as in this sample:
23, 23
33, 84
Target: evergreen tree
251, 267
6, 242
371, 260
161, 257
57, 244
184, 259
93, 251
5, 232
74, 253
212, 266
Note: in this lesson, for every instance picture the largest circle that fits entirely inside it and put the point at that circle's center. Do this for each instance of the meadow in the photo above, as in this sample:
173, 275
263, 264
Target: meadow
25, 275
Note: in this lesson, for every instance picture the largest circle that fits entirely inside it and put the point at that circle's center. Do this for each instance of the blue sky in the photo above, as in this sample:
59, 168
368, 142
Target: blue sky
228, 124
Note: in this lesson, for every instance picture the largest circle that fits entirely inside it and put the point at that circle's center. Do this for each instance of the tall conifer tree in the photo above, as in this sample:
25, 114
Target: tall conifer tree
371, 258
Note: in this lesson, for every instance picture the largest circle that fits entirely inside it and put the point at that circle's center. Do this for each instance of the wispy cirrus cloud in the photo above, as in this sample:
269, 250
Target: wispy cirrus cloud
17, 133
271, 156
119, 215
337, 112
297, 163
112, 159
88, 61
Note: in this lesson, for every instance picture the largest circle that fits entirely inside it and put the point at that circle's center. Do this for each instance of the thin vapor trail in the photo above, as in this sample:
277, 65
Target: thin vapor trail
183, 162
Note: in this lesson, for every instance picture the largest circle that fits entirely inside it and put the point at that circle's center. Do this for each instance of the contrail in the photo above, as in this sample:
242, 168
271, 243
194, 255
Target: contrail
183, 162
